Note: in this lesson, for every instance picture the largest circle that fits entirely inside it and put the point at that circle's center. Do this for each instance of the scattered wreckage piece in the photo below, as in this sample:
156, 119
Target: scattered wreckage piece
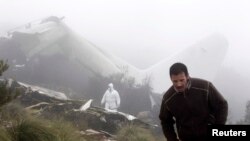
80, 112
97, 135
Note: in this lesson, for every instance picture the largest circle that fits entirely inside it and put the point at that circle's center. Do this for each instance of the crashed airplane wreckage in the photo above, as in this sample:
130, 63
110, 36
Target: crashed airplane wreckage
48, 53
48, 103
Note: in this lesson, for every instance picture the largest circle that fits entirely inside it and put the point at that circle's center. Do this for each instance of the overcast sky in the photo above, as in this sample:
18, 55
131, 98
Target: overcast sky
142, 31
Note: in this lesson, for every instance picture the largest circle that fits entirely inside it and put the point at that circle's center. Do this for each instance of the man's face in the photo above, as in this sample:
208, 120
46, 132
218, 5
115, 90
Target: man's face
180, 81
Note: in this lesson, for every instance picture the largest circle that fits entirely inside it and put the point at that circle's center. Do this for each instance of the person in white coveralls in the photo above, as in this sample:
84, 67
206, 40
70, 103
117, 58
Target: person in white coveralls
111, 98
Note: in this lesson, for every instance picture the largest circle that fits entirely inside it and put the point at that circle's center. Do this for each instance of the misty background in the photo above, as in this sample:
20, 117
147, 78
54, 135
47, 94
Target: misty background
143, 32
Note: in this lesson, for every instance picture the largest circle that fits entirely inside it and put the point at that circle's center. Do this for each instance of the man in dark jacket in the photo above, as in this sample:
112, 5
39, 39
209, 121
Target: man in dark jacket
192, 104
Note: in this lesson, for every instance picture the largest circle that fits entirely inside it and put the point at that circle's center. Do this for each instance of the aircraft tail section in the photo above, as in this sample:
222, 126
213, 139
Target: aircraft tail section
203, 59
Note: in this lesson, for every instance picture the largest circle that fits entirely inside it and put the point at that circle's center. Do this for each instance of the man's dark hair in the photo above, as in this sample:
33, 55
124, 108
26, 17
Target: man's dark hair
178, 68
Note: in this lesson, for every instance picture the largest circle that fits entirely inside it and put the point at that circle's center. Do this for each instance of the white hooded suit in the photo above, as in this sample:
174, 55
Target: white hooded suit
111, 98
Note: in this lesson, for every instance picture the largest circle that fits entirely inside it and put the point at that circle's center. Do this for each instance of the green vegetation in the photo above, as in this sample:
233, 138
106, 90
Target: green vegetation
134, 133
4, 135
3, 66
31, 130
65, 131
5, 95
21, 126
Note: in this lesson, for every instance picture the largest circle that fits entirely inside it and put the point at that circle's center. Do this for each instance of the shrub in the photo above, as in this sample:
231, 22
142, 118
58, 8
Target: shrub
4, 136
134, 133
65, 131
13, 111
31, 130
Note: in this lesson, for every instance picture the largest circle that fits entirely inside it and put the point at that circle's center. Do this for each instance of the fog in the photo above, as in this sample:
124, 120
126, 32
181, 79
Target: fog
143, 32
